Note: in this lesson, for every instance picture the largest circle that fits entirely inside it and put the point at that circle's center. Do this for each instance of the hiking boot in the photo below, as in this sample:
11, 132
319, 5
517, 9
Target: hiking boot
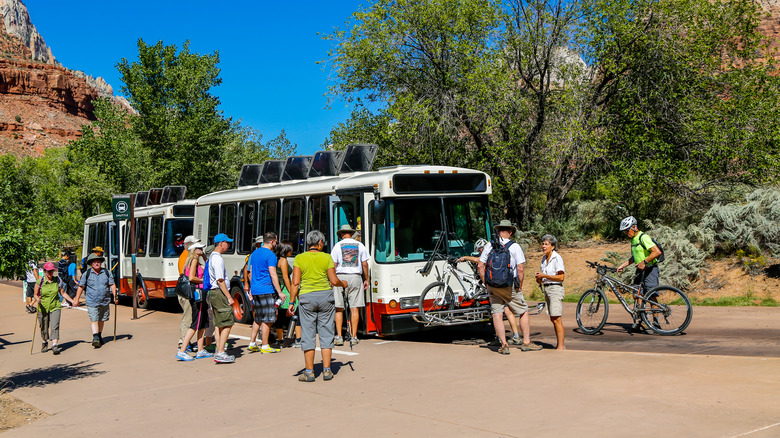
306, 376
183, 356
203, 354
253, 348
530, 347
44, 347
327, 374
56, 349
515, 341
96, 341
338, 340
224, 358
269, 349
504, 350
354, 341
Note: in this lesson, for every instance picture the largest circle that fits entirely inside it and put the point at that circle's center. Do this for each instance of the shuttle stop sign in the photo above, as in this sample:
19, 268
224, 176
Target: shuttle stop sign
121, 207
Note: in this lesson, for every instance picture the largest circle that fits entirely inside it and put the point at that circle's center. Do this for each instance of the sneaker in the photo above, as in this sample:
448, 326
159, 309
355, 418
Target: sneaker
504, 350
183, 356
44, 347
327, 375
530, 347
100, 336
515, 340
203, 354
253, 348
338, 340
56, 349
96, 341
269, 349
354, 341
224, 358
211, 348
297, 343
306, 376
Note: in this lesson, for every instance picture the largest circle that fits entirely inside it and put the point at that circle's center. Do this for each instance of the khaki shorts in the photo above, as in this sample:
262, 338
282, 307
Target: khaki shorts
501, 297
553, 296
355, 293
223, 312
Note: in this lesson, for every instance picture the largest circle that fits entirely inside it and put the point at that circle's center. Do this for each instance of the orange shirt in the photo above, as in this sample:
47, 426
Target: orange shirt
183, 260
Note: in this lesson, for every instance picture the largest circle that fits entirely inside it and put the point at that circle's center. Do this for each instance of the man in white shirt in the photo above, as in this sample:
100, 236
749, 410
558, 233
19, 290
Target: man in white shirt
220, 298
351, 259
501, 297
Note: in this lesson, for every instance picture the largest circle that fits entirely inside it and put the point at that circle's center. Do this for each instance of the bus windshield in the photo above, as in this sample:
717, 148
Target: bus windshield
175, 232
413, 226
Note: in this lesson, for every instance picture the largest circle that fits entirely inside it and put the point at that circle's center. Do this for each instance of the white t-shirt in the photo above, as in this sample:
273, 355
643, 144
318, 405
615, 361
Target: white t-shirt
32, 267
552, 267
516, 255
349, 255
217, 270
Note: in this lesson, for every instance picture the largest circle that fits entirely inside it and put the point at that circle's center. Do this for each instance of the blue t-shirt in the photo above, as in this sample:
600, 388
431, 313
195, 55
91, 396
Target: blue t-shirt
259, 263
72, 269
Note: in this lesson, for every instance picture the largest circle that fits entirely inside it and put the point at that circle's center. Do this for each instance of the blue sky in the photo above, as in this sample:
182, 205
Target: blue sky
268, 52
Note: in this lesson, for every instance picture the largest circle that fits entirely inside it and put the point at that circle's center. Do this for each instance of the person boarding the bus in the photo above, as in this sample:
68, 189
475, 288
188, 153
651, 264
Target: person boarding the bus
265, 289
47, 291
221, 301
507, 296
550, 276
351, 260
99, 286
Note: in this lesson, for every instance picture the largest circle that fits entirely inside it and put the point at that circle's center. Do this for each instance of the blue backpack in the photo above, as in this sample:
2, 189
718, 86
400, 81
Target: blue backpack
206, 277
498, 272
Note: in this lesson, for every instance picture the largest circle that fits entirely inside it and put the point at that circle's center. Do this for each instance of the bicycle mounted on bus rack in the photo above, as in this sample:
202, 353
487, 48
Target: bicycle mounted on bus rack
665, 310
439, 305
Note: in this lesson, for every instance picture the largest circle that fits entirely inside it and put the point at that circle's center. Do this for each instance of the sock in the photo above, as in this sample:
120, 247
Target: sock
516, 335
309, 370
252, 344
326, 369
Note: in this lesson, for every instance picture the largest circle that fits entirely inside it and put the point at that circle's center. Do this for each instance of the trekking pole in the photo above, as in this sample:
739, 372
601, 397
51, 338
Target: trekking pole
115, 303
35, 328
348, 315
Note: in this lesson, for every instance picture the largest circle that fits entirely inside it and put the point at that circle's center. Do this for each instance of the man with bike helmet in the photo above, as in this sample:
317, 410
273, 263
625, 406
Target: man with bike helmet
644, 252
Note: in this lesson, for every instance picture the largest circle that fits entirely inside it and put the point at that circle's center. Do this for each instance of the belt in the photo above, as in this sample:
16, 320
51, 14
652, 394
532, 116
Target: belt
553, 284
345, 273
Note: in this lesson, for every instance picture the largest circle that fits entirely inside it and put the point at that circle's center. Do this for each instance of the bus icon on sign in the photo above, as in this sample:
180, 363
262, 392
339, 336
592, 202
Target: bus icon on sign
121, 207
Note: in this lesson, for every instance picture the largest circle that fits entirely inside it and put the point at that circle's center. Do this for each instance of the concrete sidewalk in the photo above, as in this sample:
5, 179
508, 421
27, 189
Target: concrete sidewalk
134, 387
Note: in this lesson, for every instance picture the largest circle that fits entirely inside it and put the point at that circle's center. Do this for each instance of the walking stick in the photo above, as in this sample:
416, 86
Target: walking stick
347, 315
35, 328
115, 300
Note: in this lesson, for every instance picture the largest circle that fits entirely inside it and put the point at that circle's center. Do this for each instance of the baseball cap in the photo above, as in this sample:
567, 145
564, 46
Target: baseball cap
48, 266
222, 237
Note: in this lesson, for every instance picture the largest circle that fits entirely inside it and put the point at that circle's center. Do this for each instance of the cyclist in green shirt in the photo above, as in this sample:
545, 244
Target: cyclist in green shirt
644, 253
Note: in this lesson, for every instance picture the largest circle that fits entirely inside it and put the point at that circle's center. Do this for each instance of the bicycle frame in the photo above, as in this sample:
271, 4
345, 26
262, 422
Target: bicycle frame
615, 285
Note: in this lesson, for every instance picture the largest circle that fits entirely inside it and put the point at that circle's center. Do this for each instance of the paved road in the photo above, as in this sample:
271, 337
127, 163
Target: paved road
722, 378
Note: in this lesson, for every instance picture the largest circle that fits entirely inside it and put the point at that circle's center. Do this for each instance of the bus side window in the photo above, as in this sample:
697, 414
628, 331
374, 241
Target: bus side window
318, 217
247, 219
343, 214
213, 223
293, 224
141, 234
155, 244
227, 224
269, 217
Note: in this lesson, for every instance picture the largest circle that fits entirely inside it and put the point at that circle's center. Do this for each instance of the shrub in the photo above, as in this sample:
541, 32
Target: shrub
18, 118
754, 223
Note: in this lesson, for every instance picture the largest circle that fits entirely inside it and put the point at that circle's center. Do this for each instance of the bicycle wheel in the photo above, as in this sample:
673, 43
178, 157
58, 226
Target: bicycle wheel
437, 296
592, 311
666, 310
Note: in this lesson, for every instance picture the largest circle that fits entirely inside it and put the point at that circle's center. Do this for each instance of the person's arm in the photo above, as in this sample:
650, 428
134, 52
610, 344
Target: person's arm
365, 275
194, 272
520, 274
37, 293
334, 279
558, 277
296, 284
654, 253
481, 269
625, 264
246, 276
223, 287
275, 281
285, 267
471, 259
113, 291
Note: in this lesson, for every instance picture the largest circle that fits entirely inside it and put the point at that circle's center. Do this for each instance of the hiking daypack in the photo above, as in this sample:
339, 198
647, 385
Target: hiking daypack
206, 277
661, 257
62, 271
498, 271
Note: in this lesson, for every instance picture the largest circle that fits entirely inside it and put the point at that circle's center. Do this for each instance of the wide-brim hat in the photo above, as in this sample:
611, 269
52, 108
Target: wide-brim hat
346, 229
92, 257
505, 224
259, 239
98, 249
208, 250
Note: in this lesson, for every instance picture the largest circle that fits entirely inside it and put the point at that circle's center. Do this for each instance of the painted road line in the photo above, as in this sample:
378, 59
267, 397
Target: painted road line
384, 342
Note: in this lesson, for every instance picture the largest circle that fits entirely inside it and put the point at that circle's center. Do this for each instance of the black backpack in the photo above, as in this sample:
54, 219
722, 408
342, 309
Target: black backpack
498, 272
661, 257
62, 270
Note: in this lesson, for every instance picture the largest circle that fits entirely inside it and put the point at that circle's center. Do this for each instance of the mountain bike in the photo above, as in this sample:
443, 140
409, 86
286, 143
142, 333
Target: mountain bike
440, 296
665, 310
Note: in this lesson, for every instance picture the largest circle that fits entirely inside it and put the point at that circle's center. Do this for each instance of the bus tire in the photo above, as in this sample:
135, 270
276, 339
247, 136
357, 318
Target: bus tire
141, 296
242, 312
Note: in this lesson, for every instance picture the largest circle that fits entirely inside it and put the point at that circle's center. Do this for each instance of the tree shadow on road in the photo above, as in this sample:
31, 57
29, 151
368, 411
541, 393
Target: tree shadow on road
40, 377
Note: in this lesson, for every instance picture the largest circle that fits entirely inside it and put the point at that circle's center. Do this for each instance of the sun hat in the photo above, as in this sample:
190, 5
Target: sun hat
346, 229
221, 237
98, 249
504, 224
189, 240
259, 239
49, 267
208, 250
195, 246
92, 257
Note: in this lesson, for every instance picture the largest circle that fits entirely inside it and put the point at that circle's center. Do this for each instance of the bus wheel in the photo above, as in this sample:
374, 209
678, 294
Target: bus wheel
241, 309
142, 298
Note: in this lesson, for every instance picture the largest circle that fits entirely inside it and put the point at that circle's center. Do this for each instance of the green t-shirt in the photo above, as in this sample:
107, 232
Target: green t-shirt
50, 299
314, 267
639, 242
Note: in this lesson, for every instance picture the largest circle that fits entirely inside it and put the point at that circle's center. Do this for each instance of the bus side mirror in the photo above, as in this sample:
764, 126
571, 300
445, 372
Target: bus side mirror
378, 211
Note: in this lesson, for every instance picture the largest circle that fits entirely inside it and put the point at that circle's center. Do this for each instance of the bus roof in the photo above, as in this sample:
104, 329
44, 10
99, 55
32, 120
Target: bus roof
330, 184
147, 211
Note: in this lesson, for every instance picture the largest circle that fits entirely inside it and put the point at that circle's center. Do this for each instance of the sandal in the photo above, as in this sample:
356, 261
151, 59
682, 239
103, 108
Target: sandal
504, 350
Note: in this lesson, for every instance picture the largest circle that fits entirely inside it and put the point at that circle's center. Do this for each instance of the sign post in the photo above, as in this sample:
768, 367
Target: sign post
124, 209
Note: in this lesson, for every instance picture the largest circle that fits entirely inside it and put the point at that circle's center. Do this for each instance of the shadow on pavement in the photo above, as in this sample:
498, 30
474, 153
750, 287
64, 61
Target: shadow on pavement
39, 377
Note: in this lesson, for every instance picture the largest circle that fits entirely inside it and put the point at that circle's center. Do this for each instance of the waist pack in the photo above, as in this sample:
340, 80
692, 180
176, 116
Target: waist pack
498, 272
187, 290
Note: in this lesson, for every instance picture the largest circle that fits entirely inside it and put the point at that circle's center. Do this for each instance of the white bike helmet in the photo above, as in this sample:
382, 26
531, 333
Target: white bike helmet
480, 243
627, 223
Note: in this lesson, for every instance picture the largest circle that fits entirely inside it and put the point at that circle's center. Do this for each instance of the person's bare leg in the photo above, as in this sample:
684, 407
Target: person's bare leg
525, 327
355, 316
265, 332
326, 355
559, 331
498, 324
308, 359
255, 330
512, 320
339, 318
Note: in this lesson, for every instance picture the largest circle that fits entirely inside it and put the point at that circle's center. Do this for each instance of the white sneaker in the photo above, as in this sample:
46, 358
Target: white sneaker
184, 356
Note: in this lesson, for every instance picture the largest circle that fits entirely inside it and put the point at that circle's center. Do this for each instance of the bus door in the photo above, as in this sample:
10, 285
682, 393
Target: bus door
112, 250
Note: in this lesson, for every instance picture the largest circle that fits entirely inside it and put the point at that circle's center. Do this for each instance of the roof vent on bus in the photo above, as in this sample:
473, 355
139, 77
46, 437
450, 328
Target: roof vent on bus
272, 171
326, 163
250, 175
359, 157
155, 195
297, 167
141, 198
173, 194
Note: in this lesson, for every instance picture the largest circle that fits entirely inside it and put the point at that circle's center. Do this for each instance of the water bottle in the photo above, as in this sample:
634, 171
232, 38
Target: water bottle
278, 302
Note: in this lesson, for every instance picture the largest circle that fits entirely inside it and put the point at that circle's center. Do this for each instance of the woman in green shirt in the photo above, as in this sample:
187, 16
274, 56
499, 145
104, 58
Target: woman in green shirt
47, 292
313, 275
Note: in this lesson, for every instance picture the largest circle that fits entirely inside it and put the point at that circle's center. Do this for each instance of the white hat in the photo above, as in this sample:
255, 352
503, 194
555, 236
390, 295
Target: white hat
195, 246
190, 239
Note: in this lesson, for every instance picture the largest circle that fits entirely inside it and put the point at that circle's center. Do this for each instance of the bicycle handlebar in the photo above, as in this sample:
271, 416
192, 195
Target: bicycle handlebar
598, 266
